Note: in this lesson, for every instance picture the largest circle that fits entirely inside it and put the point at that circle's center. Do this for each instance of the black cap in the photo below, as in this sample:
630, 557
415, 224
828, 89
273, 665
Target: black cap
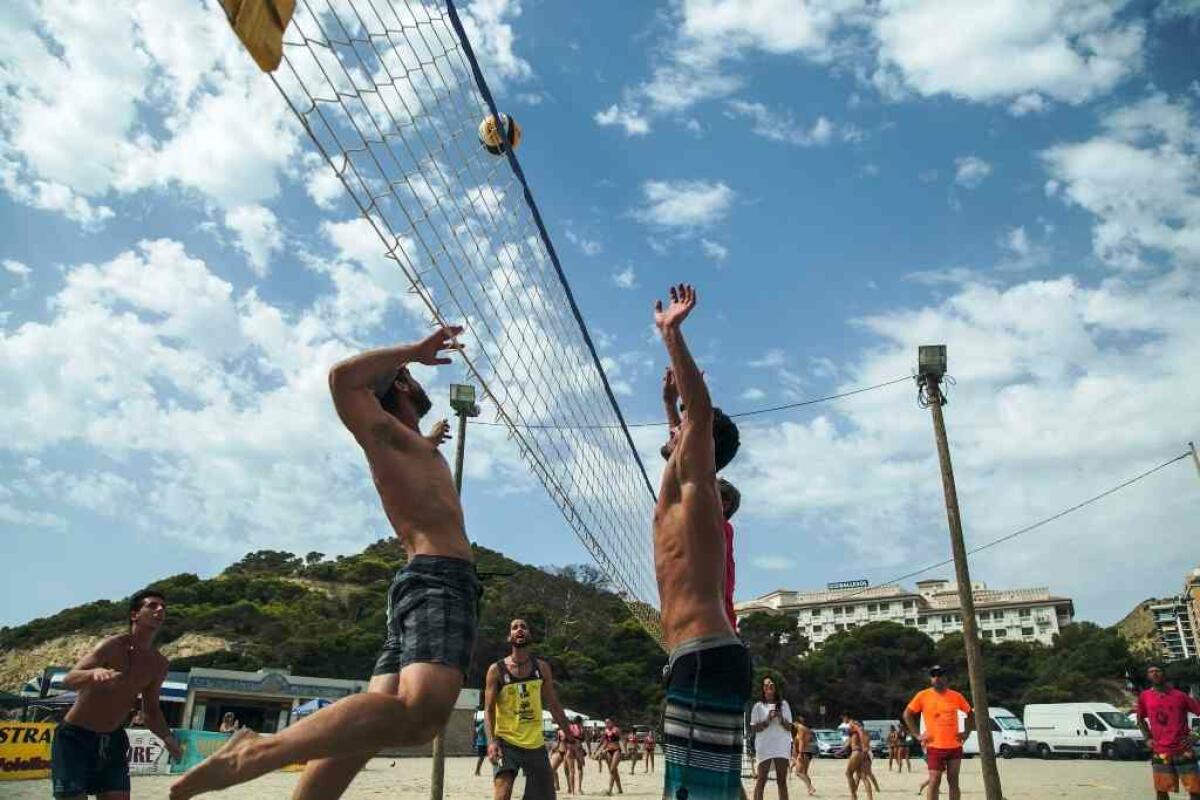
936, 670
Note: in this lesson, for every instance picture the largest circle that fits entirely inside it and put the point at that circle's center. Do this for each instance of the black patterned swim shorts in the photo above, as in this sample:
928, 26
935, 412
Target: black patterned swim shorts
433, 609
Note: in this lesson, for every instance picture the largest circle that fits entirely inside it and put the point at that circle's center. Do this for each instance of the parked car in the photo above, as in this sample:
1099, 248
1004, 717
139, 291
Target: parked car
639, 733
1009, 737
1082, 729
829, 742
878, 743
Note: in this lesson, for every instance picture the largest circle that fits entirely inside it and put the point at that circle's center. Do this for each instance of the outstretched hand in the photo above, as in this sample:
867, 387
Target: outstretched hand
429, 350
439, 433
683, 300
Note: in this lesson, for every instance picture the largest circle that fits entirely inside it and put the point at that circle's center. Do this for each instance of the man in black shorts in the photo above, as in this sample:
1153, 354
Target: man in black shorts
432, 605
516, 689
709, 670
90, 750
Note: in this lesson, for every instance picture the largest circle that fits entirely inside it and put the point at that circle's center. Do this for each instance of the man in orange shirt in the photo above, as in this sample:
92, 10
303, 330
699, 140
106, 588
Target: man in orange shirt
939, 706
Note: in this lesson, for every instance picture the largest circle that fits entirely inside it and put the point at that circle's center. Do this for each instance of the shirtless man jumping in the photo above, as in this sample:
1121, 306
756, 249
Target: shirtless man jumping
433, 603
89, 754
709, 668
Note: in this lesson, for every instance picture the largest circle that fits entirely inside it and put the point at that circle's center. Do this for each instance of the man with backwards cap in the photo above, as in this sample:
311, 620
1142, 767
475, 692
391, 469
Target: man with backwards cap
709, 672
432, 604
939, 706
1162, 714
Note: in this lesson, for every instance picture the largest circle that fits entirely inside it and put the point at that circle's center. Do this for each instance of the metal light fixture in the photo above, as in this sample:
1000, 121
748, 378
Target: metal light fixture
931, 360
462, 399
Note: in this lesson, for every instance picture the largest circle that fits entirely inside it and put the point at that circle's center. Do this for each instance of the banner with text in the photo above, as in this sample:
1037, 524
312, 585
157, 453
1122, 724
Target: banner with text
147, 754
25, 750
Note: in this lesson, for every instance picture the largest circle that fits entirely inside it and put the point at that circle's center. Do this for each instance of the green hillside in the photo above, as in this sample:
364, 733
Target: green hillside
326, 617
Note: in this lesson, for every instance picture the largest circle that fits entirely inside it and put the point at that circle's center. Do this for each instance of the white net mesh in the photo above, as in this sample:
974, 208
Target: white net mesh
387, 91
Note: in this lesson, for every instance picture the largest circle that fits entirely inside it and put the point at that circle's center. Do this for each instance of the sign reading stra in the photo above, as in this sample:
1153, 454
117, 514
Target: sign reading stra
25, 750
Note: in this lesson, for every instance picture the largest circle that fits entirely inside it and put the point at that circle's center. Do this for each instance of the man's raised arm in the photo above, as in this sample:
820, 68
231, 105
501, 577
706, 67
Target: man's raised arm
353, 382
688, 378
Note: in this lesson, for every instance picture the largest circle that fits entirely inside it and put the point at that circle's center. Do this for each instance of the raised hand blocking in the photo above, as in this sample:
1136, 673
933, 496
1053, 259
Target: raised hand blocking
683, 300
429, 350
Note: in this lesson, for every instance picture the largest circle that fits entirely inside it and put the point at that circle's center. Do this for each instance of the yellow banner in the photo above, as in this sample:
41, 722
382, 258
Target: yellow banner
25, 750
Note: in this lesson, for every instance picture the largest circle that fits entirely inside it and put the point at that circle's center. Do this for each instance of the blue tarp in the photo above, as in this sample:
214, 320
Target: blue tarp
304, 709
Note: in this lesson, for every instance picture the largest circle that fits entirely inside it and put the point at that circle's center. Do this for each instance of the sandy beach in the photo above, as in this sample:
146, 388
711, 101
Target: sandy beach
408, 779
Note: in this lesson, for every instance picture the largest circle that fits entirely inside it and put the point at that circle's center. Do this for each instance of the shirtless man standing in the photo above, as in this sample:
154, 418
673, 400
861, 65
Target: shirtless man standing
89, 753
433, 603
709, 669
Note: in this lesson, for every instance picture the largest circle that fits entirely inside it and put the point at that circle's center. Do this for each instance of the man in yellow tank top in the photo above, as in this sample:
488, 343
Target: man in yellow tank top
518, 686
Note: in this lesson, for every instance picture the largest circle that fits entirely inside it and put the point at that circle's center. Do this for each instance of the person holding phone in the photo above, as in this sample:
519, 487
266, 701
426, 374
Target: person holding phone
771, 721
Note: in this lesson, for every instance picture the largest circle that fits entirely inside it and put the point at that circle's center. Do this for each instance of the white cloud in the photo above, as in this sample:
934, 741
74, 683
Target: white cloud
489, 28
223, 396
753, 394
782, 127
970, 171
774, 357
773, 563
709, 37
322, 183
1028, 103
634, 123
714, 250
1141, 180
258, 234
49, 196
18, 268
1069, 50
625, 279
1041, 417
1022, 252
590, 247
685, 204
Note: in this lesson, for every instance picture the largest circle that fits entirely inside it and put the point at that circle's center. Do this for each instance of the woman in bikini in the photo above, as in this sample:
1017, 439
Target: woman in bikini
611, 741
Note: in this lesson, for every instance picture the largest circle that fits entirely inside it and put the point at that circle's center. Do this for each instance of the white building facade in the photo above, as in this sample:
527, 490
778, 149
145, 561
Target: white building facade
1022, 615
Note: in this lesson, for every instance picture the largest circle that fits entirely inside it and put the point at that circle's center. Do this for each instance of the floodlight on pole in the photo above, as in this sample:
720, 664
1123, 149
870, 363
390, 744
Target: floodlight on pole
462, 400
931, 360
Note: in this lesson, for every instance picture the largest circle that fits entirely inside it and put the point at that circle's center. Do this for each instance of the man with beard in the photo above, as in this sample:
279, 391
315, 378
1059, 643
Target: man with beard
515, 691
432, 604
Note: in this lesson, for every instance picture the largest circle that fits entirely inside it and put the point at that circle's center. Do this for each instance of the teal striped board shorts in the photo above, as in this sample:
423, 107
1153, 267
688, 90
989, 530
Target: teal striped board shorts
708, 686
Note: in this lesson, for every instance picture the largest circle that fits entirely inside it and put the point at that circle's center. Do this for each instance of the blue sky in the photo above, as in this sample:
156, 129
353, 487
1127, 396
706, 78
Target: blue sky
843, 181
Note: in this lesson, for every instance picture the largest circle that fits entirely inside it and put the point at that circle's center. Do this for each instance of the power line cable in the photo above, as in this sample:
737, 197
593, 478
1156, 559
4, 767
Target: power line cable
754, 412
1020, 531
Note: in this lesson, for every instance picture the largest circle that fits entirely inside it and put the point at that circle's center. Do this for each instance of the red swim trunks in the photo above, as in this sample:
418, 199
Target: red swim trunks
938, 758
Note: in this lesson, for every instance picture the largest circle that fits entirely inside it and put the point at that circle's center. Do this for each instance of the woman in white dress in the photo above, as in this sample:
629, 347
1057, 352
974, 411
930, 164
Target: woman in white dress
771, 721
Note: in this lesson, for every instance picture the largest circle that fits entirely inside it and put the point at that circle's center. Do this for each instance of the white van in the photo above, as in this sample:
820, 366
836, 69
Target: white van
1008, 735
1097, 729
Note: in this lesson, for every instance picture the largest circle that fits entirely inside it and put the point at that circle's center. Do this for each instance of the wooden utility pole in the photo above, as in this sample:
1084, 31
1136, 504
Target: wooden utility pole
463, 403
929, 381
